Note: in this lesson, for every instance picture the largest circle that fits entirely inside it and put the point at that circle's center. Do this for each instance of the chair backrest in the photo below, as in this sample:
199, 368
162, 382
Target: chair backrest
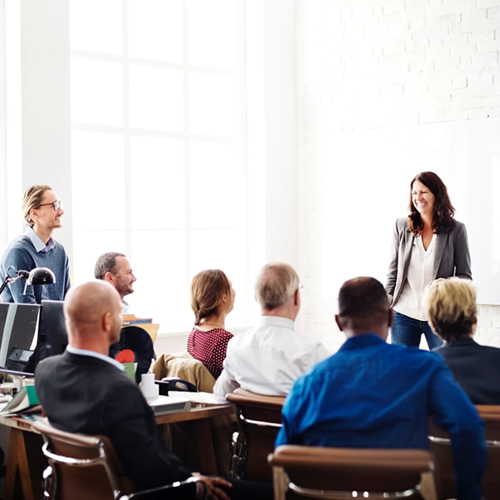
182, 365
79, 461
259, 422
335, 473
439, 444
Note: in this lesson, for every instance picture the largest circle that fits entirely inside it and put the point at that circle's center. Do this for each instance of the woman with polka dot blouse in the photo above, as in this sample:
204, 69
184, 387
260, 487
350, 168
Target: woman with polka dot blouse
212, 299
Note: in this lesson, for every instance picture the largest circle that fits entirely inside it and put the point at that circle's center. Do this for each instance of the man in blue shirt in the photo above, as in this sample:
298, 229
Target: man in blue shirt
371, 394
42, 211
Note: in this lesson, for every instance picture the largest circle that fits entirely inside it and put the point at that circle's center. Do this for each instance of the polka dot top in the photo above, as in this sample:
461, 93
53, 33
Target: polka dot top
209, 348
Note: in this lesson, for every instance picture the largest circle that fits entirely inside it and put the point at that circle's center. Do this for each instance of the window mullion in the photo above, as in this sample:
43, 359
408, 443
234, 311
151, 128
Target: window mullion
126, 129
187, 190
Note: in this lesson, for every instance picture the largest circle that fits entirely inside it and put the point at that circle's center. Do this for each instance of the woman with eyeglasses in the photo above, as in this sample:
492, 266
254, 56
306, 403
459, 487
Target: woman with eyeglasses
212, 299
427, 244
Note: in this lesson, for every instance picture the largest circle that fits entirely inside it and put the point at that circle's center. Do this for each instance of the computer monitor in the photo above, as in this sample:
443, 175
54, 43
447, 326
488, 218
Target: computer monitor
56, 336
18, 328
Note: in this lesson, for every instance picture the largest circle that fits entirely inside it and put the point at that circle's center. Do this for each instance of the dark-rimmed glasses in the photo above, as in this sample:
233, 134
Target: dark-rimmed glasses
58, 204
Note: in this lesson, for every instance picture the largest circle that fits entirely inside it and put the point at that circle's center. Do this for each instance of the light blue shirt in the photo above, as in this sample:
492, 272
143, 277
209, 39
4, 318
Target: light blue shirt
39, 245
93, 354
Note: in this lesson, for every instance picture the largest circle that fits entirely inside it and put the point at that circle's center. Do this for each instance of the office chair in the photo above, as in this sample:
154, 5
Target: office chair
139, 341
259, 421
343, 473
86, 468
439, 445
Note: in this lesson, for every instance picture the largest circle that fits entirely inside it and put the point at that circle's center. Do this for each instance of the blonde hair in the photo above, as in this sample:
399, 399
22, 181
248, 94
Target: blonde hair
275, 285
33, 199
207, 292
451, 308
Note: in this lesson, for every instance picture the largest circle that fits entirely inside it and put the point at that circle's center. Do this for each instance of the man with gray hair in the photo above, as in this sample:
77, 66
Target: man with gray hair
269, 358
115, 268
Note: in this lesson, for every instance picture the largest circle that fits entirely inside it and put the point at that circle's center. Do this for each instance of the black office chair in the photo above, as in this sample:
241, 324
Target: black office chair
139, 341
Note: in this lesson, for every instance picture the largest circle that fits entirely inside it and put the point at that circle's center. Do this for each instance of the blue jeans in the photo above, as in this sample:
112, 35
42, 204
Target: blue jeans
407, 331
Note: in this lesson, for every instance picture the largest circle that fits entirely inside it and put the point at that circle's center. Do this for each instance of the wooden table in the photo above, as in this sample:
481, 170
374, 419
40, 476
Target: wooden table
25, 460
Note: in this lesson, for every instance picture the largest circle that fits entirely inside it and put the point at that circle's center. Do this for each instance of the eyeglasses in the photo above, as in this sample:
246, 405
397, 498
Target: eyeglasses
300, 287
58, 204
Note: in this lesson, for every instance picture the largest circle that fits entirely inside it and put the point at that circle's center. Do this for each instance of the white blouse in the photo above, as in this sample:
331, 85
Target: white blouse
420, 275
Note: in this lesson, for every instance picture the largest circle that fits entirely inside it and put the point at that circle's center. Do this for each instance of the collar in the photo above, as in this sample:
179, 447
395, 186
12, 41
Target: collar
362, 340
39, 245
93, 354
276, 321
466, 341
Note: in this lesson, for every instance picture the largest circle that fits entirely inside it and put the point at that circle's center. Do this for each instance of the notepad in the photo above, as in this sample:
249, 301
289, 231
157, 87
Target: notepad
164, 405
25, 399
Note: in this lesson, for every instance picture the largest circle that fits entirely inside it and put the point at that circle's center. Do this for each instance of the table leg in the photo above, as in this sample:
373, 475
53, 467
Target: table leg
205, 446
23, 478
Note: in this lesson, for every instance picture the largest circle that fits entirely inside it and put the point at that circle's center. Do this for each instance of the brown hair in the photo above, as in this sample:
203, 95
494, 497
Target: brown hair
442, 217
207, 291
451, 308
33, 199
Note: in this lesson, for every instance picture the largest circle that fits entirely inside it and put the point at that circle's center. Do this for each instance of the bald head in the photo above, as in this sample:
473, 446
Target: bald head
363, 307
92, 312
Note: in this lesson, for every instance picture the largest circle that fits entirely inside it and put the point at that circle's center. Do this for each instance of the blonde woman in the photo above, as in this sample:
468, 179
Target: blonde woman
452, 312
212, 299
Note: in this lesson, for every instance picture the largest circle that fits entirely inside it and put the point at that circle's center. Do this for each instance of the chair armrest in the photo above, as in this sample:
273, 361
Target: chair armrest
176, 484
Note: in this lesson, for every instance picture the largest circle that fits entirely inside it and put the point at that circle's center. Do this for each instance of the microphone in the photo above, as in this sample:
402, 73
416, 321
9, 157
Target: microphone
23, 274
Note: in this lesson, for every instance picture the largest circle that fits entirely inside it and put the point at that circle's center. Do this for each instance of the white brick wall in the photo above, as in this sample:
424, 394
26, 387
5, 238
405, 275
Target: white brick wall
384, 63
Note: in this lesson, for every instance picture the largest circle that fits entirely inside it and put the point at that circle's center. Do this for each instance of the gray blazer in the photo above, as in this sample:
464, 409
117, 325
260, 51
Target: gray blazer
452, 256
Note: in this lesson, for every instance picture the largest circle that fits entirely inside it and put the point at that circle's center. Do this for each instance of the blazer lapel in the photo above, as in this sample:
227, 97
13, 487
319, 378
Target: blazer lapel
441, 240
410, 239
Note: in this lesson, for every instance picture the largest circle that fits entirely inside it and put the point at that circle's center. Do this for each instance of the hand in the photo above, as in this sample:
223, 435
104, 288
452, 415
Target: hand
211, 485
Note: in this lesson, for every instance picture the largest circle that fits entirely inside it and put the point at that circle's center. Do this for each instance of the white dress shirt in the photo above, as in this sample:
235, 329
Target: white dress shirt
268, 358
420, 275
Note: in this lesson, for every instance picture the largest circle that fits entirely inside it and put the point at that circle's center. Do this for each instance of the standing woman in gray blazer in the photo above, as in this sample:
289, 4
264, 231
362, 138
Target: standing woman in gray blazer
426, 245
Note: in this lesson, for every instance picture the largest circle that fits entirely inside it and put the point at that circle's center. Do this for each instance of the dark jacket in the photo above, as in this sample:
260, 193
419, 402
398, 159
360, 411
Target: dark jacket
88, 395
476, 368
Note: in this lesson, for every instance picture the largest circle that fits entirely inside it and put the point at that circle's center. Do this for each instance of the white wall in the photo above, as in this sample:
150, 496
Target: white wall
40, 121
381, 63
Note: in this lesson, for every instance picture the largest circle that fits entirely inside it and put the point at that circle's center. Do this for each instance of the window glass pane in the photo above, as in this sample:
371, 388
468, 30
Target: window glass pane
161, 292
156, 98
213, 33
214, 104
220, 249
157, 183
96, 26
96, 92
155, 29
89, 245
97, 180
214, 174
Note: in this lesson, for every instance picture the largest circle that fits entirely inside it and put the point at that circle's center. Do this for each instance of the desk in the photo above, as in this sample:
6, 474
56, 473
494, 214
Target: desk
25, 460
198, 423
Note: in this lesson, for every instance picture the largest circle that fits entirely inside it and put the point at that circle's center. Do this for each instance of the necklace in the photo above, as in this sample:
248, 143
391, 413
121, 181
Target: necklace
213, 324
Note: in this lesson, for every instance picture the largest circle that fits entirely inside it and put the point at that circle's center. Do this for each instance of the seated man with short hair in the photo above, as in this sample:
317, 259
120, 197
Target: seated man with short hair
115, 268
371, 394
268, 358
452, 312
85, 391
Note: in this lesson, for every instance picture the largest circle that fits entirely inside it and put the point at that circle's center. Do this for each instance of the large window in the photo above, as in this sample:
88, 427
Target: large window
158, 145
